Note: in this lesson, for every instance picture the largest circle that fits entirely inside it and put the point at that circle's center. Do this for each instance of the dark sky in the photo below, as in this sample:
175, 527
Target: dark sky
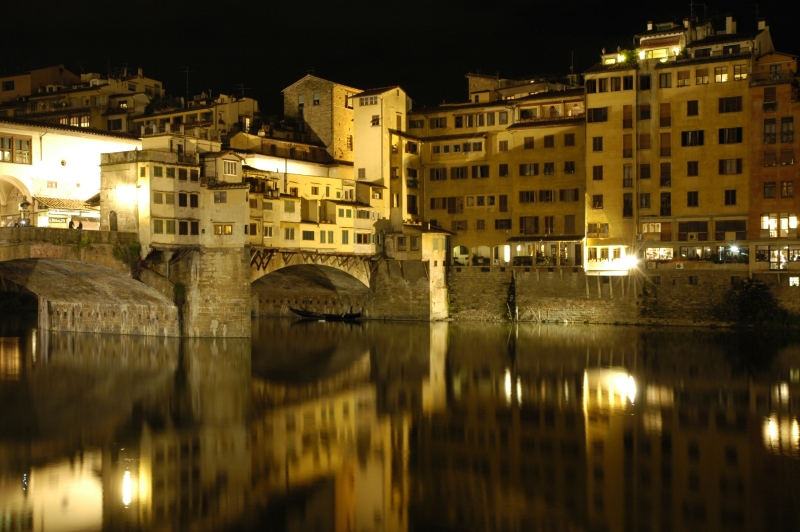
425, 46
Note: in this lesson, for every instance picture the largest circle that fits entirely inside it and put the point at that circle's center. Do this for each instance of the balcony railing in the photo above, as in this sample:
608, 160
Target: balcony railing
772, 78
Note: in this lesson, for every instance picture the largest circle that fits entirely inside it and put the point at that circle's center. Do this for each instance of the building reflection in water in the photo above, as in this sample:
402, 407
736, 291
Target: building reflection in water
400, 427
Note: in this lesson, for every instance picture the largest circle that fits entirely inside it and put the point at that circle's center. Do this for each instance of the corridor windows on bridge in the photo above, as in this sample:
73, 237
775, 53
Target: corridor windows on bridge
158, 198
183, 199
226, 229
308, 235
183, 227
220, 197
195, 228
158, 171
170, 172
170, 227
158, 227
169, 198
268, 231
183, 174
345, 237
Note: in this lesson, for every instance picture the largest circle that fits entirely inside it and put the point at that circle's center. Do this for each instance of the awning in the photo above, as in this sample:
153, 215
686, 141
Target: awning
663, 42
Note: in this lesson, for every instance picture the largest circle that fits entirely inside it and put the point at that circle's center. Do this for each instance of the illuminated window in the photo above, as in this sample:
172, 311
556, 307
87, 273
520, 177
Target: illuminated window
794, 281
720, 74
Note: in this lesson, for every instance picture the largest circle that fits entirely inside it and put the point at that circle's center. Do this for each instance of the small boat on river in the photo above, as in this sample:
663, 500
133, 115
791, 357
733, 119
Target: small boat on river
309, 315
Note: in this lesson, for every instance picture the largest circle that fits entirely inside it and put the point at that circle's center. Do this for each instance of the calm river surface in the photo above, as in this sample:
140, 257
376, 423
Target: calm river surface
400, 427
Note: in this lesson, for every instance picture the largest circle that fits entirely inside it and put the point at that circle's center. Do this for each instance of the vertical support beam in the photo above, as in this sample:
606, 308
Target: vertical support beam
599, 288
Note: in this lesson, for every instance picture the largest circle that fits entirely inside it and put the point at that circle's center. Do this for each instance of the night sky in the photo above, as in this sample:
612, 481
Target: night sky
424, 46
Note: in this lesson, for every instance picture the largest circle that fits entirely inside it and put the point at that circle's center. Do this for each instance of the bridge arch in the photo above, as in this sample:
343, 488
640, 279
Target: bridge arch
84, 297
316, 287
264, 261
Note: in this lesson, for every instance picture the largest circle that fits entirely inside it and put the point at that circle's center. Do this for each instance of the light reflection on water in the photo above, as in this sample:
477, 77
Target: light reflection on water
400, 427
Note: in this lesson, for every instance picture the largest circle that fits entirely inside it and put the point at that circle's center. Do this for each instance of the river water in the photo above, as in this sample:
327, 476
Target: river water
400, 427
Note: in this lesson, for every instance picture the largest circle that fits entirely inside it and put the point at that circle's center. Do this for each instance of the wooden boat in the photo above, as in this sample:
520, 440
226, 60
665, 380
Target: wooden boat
308, 315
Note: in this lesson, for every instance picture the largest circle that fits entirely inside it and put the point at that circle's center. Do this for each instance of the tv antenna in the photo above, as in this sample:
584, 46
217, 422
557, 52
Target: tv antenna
186, 71
240, 87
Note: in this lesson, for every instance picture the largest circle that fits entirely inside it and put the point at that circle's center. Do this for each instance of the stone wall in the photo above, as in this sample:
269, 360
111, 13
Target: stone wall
402, 291
668, 297
217, 291
113, 318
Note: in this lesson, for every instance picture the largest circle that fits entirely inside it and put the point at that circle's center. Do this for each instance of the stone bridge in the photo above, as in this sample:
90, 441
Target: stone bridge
80, 285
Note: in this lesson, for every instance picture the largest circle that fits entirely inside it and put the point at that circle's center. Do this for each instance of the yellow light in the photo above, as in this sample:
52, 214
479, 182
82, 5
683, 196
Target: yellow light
508, 386
126, 488
126, 195
676, 50
641, 54
620, 58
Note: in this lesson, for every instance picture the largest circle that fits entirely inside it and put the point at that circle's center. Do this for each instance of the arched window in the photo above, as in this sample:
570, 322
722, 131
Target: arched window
112, 221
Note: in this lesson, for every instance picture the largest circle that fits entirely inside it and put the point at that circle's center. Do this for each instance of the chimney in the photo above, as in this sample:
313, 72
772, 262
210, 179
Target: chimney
686, 23
730, 25
140, 72
762, 24
649, 25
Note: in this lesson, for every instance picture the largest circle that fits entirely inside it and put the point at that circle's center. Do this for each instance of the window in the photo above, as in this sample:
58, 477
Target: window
158, 198
787, 129
683, 78
502, 203
503, 170
194, 228
438, 123
171, 172
502, 145
490, 118
720, 74
568, 194
546, 196
627, 83
730, 166
183, 228
787, 157
527, 196
597, 143
644, 171
769, 189
692, 168
170, 227
367, 100
597, 114
229, 167
549, 168
194, 200
692, 198
183, 199
21, 152
502, 223
644, 82
526, 114
569, 167
666, 174
528, 143
693, 138
665, 115
730, 197
644, 111
787, 189
503, 117
375, 121
731, 104
701, 76
8, 85
288, 233
416, 124
692, 108
665, 80
616, 84
529, 169
549, 141
459, 225
169, 198
459, 121
569, 139
739, 72
308, 235
183, 174
770, 136
627, 116
288, 206
666, 144
602, 85
644, 201
597, 173
438, 174
644, 141
315, 99
114, 124
220, 197
458, 172
412, 147
666, 204
627, 176
158, 227
770, 158
591, 86
528, 225
730, 135
597, 201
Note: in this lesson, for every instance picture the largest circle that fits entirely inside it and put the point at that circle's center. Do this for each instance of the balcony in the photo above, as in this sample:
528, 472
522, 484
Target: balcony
771, 78
412, 183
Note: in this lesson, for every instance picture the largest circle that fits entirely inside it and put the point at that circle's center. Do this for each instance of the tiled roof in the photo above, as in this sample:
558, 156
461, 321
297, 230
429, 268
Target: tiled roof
723, 38
427, 228
549, 95
542, 122
321, 79
546, 238
403, 134
64, 204
370, 92
456, 136
612, 68
655, 33
224, 185
701, 60
62, 127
